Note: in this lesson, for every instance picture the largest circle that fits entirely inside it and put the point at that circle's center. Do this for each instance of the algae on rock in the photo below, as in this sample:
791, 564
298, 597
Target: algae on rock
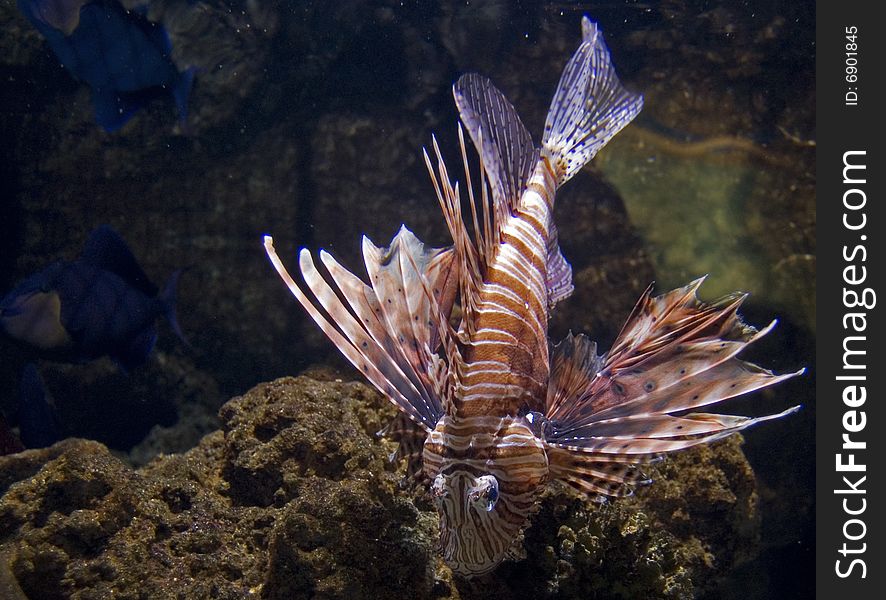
296, 498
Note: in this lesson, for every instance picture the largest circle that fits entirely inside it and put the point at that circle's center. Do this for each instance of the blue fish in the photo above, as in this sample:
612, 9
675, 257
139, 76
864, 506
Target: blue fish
38, 424
101, 304
9, 442
123, 57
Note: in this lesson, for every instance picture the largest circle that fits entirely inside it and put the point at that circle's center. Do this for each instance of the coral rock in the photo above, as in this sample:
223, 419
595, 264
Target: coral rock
296, 498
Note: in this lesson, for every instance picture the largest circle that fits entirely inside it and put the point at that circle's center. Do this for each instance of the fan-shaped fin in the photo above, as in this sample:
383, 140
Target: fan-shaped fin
574, 364
589, 107
674, 354
389, 346
590, 476
661, 321
505, 146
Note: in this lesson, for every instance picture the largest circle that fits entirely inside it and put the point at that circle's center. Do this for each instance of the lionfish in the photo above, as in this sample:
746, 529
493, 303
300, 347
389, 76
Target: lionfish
490, 413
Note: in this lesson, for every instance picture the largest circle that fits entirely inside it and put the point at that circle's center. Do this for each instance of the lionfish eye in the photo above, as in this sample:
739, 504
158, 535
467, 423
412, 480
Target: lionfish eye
485, 494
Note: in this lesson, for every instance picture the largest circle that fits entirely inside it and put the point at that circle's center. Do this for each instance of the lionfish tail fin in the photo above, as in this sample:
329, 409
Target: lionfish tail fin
675, 354
589, 107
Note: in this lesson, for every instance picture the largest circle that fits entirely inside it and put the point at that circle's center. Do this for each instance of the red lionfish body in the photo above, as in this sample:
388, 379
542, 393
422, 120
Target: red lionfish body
493, 413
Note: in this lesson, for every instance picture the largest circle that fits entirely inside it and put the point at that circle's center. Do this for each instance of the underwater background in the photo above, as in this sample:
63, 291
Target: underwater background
306, 120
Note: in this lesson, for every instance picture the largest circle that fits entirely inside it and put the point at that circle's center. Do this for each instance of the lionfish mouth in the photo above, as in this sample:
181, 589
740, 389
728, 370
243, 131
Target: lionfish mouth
462, 554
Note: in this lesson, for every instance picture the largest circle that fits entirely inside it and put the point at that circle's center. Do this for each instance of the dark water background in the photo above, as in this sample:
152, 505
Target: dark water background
307, 121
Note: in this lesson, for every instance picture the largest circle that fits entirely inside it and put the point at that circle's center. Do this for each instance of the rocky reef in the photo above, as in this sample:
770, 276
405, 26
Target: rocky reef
295, 498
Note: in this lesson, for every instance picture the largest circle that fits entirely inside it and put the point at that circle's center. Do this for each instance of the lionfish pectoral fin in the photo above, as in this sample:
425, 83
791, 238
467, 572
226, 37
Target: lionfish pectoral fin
598, 475
655, 434
674, 354
612, 466
416, 289
589, 107
410, 440
395, 275
574, 365
351, 320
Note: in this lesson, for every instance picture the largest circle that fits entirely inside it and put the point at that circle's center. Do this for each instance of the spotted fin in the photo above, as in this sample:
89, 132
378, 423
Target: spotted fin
574, 364
414, 307
589, 107
674, 354
386, 330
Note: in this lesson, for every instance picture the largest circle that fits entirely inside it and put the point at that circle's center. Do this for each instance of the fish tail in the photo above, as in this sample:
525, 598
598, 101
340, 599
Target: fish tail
168, 302
589, 107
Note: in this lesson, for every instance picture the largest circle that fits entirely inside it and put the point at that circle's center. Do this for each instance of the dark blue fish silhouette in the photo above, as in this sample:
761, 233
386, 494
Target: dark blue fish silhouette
38, 424
123, 57
9, 442
100, 304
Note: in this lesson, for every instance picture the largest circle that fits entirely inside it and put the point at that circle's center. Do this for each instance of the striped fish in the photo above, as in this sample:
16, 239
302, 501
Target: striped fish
491, 413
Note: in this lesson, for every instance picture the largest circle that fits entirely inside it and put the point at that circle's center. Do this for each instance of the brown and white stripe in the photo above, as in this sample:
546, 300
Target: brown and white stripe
462, 450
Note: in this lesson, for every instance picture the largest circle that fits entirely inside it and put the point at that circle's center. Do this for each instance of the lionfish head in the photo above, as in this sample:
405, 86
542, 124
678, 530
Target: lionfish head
482, 516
